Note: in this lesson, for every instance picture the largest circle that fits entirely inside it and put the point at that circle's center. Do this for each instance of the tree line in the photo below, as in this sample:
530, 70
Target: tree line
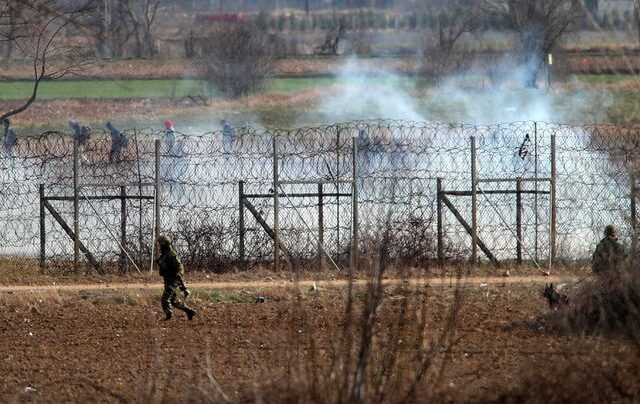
237, 55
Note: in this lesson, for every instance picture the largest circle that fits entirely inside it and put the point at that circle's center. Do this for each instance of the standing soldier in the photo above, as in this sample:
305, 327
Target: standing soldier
609, 253
172, 271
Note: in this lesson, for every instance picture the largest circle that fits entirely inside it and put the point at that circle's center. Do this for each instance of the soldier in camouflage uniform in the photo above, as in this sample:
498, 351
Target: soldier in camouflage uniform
172, 271
609, 253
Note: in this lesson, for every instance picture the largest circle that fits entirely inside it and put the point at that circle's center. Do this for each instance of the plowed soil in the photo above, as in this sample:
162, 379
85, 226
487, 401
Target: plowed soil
107, 344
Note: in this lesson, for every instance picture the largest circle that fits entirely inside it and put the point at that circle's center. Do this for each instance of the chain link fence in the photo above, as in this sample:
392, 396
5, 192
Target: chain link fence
542, 192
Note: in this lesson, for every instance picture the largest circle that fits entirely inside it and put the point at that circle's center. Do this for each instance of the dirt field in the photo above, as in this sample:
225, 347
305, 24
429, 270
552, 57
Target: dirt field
106, 344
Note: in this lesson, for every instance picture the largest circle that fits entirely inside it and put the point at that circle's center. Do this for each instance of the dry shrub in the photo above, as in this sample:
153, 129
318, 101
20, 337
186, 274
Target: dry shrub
574, 379
236, 58
608, 304
389, 347
203, 242
413, 243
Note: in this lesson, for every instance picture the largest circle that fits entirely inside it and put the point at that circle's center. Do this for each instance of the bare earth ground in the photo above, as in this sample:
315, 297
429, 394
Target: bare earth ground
130, 69
101, 343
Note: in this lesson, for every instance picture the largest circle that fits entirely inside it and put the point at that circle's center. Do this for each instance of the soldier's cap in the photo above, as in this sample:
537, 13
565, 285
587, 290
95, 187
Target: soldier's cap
610, 230
164, 240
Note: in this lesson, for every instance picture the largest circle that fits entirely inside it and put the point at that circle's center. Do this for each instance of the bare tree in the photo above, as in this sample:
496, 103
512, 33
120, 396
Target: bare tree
142, 14
539, 23
236, 58
119, 22
331, 41
9, 25
454, 18
35, 33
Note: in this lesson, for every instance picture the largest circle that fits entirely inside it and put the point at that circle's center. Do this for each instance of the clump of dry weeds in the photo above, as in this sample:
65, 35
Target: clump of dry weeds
603, 307
608, 304
392, 345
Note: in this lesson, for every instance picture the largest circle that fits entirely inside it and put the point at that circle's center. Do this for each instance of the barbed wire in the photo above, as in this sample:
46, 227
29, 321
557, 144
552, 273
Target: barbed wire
398, 165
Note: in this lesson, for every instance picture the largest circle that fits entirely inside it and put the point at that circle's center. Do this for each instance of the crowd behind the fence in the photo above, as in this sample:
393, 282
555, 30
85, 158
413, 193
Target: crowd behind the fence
370, 143
119, 139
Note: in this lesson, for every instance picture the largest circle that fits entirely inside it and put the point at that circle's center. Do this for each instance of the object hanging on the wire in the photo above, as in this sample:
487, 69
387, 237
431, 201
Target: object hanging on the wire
523, 150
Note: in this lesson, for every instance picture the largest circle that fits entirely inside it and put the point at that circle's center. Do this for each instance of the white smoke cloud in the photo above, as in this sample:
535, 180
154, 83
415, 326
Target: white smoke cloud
470, 98
376, 94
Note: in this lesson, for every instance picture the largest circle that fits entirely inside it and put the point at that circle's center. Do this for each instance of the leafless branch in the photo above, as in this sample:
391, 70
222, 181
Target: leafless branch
36, 37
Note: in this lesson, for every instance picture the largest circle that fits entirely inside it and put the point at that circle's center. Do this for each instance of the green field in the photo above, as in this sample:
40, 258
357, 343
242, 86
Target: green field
607, 78
467, 102
114, 89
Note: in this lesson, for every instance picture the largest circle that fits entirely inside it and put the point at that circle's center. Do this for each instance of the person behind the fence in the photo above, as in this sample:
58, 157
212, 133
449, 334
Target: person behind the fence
119, 141
10, 138
228, 135
609, 253
80, 132
169, 137
172, 271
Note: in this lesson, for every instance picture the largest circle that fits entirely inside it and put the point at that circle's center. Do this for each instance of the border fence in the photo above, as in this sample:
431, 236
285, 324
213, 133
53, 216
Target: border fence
518, 192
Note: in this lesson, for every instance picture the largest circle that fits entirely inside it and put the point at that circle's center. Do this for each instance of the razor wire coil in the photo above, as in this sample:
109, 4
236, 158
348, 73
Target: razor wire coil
398, 166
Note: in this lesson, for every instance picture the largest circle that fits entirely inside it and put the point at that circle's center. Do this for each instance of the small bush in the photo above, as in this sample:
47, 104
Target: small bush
203, 243
605, 304
237, 58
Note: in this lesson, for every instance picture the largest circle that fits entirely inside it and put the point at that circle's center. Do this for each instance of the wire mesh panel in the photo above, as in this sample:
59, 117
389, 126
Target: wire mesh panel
315, 169
203, 180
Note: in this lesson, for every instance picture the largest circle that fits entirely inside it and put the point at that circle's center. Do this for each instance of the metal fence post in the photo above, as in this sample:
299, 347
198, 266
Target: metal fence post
338, 188
440, 190
42, 231
276, 225
634, 217
123, 228
535, 195
474, 204
157, 188
554, 205
519, 220
241, 218
76, 224
321, 258
354, 201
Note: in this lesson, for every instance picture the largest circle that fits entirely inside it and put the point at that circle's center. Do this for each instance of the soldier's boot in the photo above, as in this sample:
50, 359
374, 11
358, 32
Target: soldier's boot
187, 293
167, 316
190, 313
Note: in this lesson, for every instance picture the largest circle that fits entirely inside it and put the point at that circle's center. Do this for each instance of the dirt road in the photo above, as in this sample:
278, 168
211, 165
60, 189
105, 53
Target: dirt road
475, 281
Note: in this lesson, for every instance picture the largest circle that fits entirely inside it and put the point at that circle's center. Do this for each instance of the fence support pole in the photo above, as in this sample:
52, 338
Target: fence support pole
474, 204
634, 217
157, 188
76, 197
241, 219
354, 201
554, 205
123, 229
519, 220
535, 195
321, 258
338, 188
440, 191
42, 231
276, 224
